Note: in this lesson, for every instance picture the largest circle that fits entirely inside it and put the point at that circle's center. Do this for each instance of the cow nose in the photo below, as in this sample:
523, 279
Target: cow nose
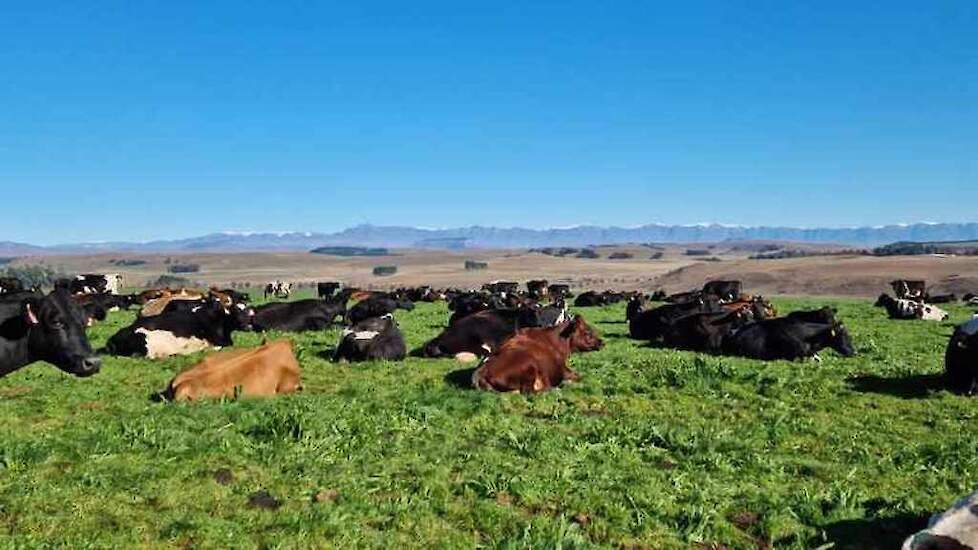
92, 364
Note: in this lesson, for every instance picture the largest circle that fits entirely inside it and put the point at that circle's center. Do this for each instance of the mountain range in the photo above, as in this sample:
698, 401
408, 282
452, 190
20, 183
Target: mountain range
496, 237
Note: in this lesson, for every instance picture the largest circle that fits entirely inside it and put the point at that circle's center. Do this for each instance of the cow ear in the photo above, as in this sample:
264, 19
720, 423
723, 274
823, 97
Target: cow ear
30, 316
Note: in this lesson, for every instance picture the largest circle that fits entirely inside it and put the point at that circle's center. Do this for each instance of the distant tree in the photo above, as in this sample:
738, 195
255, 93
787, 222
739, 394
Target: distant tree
385, 270
620, 256
471, 265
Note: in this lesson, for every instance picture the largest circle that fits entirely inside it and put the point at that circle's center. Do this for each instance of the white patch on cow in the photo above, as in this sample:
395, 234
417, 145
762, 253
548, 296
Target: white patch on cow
932, 313
195, 309
959, 523
487, 348
163, 343
242, 307
466, 357
80, 278
114, 308
365, 335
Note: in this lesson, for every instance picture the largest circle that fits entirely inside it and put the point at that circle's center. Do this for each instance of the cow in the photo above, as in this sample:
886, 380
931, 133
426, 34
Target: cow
301, 315
10, 285
95, 284
909, 290
235, 296
903, 308
650, 325
591, 299
961, 359
377, 306
278, 289
419, 294
788, 338
635, 306
552, 314
954, 529
180, 332
155, 306
372, 339
51, 328
480, 333
502, 287
706, 331
759, 307
535, 359
537, 289
726, 291
467, 304
559, 290
268, 370
328, 290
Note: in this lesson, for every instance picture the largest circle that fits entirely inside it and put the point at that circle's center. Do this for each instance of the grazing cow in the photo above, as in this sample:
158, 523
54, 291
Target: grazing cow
301, 315
328, 290
909, 290
788, 338
650, 325
727, 291
537, 289
265, 371
180, 332
535, 359
372, 339
502, 287
51, 328
10, 285
910, 309
377, 306
954, 529
559, 291
95, 284
481, 332
278, 289
961, 359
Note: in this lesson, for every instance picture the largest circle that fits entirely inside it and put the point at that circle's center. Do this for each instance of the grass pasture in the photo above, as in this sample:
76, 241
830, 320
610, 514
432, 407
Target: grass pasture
654, 448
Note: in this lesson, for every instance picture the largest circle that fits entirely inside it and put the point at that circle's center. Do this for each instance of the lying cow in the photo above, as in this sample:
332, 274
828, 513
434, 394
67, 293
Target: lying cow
788, 338
301, 315
48, 328
93, 284
706, 331
961, 359
726, 291
377, 306
10, 285
559, 290
955, 529
650, 325
535, 359
265, 371
180, 332
502, 287
278, 289
480, 333
902, 308
537, 289
328, 290
372, 339
909, 290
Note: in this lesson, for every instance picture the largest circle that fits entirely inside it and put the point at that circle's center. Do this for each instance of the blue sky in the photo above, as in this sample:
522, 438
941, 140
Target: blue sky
174, 119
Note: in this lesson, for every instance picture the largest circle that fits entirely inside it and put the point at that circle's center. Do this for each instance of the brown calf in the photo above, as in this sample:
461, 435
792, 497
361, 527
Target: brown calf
535, 359
264, 371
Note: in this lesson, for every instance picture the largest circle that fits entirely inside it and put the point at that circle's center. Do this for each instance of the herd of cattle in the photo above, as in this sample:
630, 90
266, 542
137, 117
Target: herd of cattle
521, 339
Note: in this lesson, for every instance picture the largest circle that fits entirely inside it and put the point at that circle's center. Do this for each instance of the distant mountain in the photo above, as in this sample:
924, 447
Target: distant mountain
495, 237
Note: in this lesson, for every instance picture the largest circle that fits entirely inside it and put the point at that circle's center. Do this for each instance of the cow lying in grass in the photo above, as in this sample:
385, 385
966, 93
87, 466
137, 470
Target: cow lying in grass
264, 371
900, 308
961, 359
535, 359
798, 336
372, 339
955, 529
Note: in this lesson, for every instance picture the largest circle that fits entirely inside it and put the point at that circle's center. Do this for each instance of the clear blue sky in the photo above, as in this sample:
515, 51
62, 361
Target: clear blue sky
173, 119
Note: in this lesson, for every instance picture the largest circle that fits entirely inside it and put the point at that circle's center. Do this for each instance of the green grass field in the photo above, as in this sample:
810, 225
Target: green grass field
654, 448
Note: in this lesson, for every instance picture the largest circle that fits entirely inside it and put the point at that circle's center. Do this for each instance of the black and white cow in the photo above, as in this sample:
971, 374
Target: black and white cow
328, 289
537, 289
9, 285
961, 359
372, 339
955, 529
909, 290
181, 332
51, 328
93, 283
903, 308
278, 289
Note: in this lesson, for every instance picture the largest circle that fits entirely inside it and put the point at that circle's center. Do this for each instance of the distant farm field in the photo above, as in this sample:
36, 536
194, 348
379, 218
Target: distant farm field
653, 448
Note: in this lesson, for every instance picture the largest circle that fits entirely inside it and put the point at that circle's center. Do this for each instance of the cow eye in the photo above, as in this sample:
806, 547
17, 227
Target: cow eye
57, 324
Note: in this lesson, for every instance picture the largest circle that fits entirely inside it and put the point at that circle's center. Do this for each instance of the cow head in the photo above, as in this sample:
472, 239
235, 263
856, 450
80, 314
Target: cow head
840, 341
58, 334
580, 335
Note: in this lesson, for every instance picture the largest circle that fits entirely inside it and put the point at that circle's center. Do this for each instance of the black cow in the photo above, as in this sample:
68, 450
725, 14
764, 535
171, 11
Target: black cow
302, 315
180, 332
480, 333
705, 331
635, 306
420, 294
502, 287
592, 298
685, 297
9, 285
537, 289
727, 291
328, 289
559, 291
961, 359
51, 328
372, 339
650, 325
788, 338
467, 304
377, 306
236, 296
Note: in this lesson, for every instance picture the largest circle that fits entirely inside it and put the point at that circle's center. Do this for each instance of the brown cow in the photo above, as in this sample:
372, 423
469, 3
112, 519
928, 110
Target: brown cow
264, 371
535, 359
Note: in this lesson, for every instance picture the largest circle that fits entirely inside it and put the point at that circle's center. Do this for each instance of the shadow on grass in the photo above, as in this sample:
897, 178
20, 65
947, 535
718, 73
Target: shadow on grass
461, 378
874, 533
918, 386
